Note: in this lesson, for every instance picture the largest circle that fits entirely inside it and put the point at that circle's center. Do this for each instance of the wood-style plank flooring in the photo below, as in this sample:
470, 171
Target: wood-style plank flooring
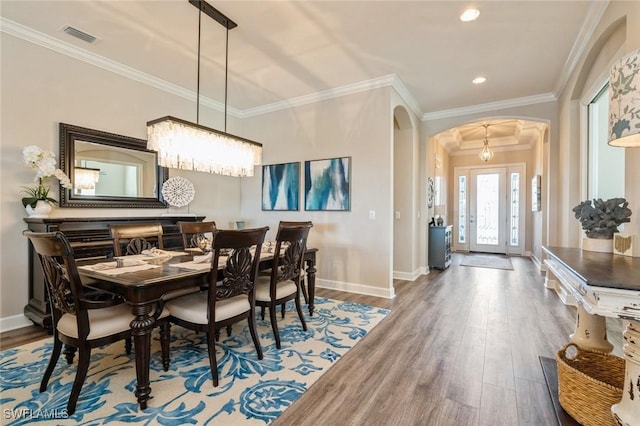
460, 347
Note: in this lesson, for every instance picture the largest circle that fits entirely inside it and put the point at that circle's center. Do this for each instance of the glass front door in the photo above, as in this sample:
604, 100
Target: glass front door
487, 224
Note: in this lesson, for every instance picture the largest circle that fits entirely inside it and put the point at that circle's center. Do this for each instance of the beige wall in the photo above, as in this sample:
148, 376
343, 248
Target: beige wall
41, 88
617, 33
354, 250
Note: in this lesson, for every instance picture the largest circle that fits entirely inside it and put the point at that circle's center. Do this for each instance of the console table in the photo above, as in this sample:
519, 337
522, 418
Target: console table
90, 237
602, 285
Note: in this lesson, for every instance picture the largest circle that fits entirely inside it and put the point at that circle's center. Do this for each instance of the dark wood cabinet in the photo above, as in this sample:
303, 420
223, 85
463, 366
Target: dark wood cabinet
90, 238
440, 246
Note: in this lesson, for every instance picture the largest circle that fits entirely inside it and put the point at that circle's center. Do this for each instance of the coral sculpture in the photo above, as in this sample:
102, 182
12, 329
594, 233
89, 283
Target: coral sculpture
600, 219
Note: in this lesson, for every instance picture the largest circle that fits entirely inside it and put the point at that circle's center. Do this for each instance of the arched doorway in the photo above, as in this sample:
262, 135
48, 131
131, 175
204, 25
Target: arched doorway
405, 196
516, 161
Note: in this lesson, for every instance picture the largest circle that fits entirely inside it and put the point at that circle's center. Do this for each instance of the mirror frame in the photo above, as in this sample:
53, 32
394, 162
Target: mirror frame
69, 134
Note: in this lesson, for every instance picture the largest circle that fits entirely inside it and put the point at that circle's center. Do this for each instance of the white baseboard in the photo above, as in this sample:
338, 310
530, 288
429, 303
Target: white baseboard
424, 270
407, 276
541, 266
387, 293
14, 322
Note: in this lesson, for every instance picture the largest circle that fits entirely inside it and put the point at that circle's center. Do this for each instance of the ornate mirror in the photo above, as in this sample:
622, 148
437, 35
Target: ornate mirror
109, 170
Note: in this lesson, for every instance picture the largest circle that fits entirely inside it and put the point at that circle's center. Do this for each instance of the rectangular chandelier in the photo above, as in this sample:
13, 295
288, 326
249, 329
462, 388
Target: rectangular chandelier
188, 146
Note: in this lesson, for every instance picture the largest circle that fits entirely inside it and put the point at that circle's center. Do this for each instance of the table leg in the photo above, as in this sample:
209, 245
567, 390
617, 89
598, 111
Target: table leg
141, 328
311, 282
591, 332
627, 411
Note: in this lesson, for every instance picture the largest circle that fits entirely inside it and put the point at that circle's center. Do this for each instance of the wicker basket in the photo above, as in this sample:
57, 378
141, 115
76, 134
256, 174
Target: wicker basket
589, 384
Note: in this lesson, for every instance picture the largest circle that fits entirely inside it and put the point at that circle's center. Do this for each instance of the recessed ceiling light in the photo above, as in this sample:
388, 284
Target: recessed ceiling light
478, 80
470, 14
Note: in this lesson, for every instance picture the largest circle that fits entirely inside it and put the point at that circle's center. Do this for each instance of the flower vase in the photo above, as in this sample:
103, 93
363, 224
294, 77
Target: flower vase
42, 209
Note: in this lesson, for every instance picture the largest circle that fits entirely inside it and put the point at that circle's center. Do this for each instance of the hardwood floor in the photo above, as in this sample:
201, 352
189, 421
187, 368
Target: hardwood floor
460, 347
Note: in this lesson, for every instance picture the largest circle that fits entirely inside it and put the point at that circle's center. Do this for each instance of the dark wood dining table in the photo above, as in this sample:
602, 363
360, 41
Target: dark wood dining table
143, 291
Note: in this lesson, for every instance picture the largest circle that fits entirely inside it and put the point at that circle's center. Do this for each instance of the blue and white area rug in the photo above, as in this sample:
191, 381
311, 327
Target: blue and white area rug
250, 391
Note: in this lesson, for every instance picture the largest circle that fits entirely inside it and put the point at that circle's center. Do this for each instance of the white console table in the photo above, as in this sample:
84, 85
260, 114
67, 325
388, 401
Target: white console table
602, 285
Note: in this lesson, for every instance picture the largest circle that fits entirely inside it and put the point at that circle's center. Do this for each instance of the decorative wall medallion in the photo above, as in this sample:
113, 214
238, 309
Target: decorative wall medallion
178, 191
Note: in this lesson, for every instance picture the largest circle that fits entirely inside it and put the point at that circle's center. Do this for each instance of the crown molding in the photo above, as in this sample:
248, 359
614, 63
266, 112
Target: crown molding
491, 106
406, 96
336, 92
589, 26
32, 36
476, 151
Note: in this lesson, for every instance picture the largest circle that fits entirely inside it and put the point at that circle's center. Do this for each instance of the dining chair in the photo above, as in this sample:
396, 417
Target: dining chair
228, 300
136, 238
194, 232
284, 282
303, 272
77, 321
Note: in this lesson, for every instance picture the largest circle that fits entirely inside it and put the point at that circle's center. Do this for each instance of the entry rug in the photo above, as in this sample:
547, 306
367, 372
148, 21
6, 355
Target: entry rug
250, 392
491, 261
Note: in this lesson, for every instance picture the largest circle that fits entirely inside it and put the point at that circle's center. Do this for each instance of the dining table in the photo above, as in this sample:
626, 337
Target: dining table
143, 280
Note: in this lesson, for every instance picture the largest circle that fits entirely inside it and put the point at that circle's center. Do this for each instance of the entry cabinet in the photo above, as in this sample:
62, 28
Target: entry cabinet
440, 246
90, 237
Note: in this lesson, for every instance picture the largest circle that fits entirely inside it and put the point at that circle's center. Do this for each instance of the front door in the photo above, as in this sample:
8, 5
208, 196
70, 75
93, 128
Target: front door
488, 210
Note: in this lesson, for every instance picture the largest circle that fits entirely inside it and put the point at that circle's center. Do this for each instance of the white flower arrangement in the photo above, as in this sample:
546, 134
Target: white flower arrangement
44, 164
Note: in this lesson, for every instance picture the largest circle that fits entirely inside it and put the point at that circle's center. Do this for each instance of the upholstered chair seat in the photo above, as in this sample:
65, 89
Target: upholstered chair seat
193, 308
230, 295
283, 289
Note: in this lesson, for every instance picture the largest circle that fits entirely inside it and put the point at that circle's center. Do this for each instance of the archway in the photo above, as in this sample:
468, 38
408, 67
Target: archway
405, 194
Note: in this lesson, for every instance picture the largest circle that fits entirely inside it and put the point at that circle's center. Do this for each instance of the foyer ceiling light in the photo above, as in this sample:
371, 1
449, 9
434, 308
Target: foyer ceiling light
190, 146
486, 154
624, 102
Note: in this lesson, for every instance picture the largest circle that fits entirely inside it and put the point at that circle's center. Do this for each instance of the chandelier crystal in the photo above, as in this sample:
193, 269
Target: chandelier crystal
187, 146
184, 145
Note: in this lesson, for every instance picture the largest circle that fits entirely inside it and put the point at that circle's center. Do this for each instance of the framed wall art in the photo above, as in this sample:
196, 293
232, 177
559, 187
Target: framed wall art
327, 184
281, 186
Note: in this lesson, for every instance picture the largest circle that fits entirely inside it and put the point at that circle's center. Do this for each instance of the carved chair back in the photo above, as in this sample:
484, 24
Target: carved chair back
243, 249
61, 276
136, 238
289, 265
194, 232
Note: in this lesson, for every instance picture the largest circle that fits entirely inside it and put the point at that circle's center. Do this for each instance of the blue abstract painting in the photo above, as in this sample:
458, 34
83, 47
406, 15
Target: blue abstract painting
327, 184
280, 186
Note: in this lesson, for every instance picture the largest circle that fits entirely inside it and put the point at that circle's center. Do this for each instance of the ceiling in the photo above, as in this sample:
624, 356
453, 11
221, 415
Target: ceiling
284, 51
